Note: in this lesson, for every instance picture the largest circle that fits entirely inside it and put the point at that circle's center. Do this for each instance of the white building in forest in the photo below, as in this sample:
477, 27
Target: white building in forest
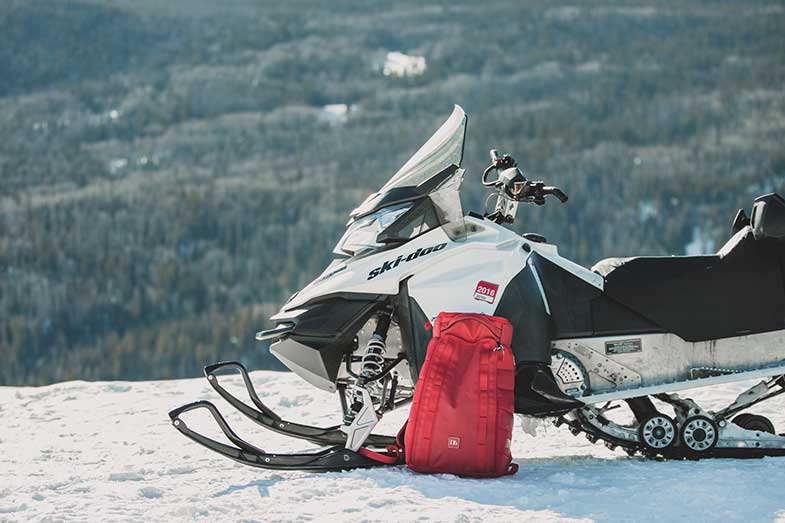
400, 64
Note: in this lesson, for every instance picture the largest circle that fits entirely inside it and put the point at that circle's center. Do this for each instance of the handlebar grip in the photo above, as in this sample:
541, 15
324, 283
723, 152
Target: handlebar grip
558, 193
494, 155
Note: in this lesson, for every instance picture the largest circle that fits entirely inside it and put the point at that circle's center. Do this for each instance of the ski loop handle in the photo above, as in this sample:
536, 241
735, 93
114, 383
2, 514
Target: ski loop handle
336, 458
268, 419
219, 419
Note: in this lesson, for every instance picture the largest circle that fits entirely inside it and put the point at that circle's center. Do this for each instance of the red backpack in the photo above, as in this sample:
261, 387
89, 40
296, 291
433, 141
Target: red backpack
462, 414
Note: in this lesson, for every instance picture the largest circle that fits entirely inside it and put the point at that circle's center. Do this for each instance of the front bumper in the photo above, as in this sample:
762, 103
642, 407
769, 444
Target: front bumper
312, 343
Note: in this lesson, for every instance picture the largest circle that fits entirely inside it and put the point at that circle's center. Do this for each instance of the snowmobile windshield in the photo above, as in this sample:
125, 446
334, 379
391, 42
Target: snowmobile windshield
423, 194
443, 149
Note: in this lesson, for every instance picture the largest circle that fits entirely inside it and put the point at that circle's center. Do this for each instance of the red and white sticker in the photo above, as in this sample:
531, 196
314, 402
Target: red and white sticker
453, 442
486, 291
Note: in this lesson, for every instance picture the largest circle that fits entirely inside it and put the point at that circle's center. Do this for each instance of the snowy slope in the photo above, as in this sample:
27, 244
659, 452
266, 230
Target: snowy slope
106, 452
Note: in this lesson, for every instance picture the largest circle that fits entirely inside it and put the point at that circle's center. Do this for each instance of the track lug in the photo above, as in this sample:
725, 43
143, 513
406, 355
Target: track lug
558, 421
630, 452
575, 431
591, 437
610, 446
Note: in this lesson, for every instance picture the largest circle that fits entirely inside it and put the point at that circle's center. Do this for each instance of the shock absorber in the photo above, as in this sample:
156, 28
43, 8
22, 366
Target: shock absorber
372, 364
373, 360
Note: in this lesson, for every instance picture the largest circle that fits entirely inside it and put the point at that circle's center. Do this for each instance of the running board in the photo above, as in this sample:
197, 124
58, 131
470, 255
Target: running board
681, 385
333, 459
268, 419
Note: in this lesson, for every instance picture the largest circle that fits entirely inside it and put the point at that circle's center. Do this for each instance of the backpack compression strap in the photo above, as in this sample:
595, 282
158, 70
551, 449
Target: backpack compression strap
395, 454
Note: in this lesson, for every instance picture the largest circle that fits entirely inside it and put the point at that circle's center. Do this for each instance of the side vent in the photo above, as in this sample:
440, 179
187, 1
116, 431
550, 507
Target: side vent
739, 222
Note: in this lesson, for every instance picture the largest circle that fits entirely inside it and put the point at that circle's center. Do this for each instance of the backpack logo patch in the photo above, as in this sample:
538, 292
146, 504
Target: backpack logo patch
453, 442
486, 291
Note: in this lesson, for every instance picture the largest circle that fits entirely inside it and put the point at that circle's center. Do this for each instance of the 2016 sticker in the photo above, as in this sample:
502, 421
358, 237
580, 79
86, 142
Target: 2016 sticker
486, 291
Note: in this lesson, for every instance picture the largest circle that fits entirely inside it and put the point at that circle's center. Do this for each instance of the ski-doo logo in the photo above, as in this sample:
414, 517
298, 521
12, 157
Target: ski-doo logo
453, 442
389, 265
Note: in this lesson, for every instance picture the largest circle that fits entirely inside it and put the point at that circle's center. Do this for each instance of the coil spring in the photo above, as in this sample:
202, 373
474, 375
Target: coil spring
373, 360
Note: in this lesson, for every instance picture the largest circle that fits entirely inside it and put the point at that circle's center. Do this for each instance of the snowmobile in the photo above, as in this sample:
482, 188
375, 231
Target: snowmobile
629, 332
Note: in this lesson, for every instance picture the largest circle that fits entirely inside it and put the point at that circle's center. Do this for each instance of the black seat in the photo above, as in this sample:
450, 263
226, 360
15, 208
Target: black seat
737, 291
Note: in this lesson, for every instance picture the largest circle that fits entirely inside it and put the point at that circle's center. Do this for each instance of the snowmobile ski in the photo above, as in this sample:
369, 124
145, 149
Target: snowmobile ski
268, 419
333, 459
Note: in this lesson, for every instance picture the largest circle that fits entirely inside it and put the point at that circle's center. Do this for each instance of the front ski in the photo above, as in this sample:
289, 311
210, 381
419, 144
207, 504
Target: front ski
268, 419
336, 458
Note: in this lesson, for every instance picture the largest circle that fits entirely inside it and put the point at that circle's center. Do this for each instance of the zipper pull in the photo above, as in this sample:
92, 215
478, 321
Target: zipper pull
498, 347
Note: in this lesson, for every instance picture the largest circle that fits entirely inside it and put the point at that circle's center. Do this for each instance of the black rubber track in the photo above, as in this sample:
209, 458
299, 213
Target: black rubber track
678, 453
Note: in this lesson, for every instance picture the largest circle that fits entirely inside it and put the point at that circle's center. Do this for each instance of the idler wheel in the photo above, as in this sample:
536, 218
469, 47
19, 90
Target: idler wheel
754, 422
657, 432
699, 434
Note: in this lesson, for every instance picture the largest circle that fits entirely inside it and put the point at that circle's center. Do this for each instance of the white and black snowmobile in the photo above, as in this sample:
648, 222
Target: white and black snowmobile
628, 331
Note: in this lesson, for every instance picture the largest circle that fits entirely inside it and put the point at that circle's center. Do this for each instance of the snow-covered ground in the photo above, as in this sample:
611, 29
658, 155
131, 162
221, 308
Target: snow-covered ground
82, 451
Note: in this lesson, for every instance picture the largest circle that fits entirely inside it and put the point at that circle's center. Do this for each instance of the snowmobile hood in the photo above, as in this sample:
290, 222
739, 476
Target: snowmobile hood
363, 275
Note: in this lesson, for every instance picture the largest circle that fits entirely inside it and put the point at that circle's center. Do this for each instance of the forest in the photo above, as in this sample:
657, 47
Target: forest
170, 172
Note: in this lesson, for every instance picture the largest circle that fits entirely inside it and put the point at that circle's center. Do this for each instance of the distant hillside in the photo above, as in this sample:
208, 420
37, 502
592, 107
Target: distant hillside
169, 174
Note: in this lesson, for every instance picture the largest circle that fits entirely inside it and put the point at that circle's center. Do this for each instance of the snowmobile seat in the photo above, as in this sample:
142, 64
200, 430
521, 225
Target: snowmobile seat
664, 266
737, 291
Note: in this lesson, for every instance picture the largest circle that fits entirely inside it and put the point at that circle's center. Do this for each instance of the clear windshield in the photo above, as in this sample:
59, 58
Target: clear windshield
443, 149
433, 170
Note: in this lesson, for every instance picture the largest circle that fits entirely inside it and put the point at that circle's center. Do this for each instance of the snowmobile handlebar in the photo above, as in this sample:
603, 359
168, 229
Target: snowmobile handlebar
536, 192
514, 185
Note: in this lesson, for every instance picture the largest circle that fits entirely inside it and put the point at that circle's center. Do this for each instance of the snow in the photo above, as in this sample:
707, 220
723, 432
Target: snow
82, 451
